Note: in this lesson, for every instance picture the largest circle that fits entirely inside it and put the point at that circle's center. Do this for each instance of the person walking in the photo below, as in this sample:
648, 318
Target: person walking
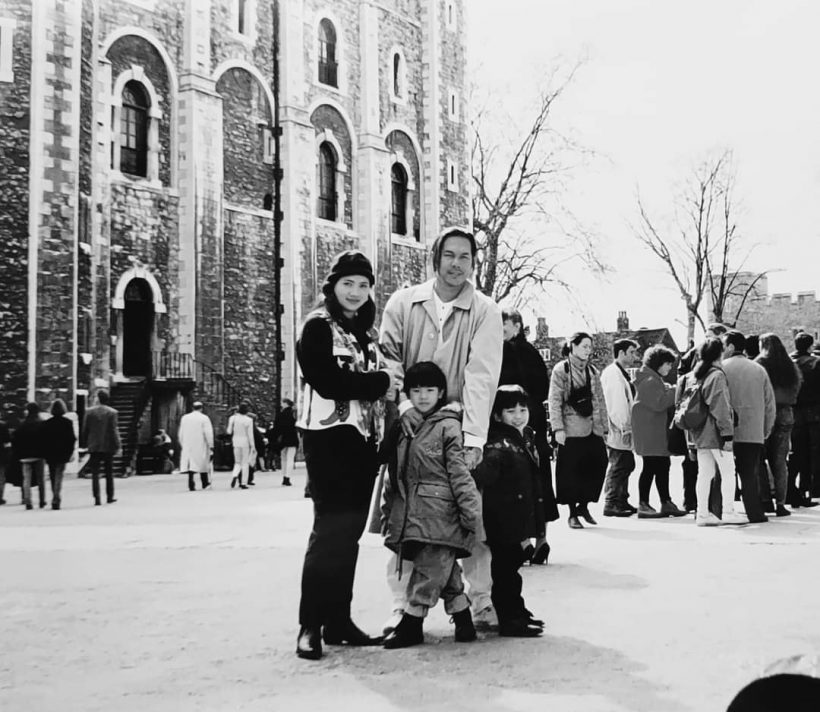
58, 438
619, 394
712, 440
805, 458
342, 422
522, 365
786, 380
28, 448
5, 456
102, 440
651, 415
196, 442
240, 428
446, 320
286, 439
752, 399
580, 423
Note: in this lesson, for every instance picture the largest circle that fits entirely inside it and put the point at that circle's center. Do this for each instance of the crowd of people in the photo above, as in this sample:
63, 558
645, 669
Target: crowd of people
440, 429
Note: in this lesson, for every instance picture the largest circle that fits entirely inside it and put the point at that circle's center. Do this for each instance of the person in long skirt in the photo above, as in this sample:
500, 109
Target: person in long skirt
346, 380
579, 420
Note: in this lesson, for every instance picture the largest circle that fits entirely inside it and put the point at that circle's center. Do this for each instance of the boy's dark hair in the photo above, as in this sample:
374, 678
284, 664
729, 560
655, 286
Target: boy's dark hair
803, 342
508, 397
736, 339
623, 345
658, 355
424, 374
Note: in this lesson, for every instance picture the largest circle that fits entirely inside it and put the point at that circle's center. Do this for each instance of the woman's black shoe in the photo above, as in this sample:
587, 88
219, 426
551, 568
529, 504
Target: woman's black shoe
574, 523
348, 633
408, 632
527, 553
584, 512
541, 555
309, 644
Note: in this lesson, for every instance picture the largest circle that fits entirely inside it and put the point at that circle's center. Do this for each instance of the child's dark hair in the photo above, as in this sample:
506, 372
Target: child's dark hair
509, 397
424, 374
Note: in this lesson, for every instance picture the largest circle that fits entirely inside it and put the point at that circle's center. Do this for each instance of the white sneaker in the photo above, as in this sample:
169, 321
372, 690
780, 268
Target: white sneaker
707, 520
391, 623
485, 619
733, 518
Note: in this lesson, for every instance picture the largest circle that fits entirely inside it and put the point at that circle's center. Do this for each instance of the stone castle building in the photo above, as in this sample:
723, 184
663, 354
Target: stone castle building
781, 313
142, 144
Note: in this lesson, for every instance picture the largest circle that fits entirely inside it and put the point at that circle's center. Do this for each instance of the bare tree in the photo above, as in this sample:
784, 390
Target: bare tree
516, 204
702, 250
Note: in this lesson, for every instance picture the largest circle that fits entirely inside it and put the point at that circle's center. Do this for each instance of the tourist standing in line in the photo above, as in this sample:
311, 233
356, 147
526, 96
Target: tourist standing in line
28, 447
786, 379
713, 439
579, 420
619, 393
102, 439
523, 366
752, 398
342, 423
58, 438
240, 428
285, 439
446, 320
805, 459
196, 442
651, 415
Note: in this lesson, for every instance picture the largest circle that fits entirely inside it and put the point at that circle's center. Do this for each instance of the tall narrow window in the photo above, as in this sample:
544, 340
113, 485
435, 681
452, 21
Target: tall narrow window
242, 20
134, 130
327, 54
397, 88
398, 179
327, 182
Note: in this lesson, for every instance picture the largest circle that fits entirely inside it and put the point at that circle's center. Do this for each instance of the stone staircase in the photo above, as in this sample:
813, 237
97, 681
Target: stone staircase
129, 399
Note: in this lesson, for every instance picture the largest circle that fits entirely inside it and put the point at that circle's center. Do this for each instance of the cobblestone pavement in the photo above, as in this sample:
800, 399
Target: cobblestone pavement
171, 600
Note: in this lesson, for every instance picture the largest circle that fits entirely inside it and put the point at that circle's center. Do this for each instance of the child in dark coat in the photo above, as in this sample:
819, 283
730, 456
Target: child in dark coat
509, 479
431, 509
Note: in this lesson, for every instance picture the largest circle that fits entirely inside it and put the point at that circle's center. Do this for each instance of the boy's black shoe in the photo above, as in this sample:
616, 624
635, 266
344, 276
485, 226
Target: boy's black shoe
309, 644
408, 632
519, 628
465, 630
347, 633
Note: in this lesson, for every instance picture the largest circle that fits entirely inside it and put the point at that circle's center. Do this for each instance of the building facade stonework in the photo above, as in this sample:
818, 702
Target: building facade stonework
137, 241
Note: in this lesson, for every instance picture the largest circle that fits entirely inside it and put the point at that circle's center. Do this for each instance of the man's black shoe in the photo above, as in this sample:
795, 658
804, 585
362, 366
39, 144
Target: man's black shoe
617, 512
348, 633
309, 644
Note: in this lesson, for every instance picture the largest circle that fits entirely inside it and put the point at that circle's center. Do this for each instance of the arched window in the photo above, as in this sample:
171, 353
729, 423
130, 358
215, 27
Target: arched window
134, 130
398, 180
327, 54
327, 182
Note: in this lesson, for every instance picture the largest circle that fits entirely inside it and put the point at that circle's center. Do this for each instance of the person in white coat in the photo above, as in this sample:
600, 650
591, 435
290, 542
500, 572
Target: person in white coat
196, 439
240, 428
619, 393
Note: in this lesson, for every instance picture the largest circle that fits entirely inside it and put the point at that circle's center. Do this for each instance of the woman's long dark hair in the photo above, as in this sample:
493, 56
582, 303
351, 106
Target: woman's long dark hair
708, 352
783, 372
574, 340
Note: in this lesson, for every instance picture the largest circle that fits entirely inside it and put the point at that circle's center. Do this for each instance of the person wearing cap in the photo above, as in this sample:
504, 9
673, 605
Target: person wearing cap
342, 422
196, 440
446, 320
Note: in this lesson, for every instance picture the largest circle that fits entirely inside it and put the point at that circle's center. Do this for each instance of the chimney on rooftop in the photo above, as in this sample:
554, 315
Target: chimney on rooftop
623, 321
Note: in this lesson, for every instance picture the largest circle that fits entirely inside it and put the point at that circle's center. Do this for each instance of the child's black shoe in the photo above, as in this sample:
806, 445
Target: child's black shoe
465, 630
408, 632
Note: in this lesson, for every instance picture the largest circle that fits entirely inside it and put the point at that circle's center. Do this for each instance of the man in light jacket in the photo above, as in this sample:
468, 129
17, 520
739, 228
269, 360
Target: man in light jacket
752, 398
619, 392
446, 320
196, 439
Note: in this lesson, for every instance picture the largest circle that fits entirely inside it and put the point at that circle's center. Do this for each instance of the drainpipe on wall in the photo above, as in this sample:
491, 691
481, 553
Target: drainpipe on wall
277, 213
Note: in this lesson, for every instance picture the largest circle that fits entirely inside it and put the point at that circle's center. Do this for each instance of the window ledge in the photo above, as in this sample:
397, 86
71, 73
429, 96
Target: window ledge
259, 212
329, 87
7, 77
336, 225
407, 241
248, 40
155, 186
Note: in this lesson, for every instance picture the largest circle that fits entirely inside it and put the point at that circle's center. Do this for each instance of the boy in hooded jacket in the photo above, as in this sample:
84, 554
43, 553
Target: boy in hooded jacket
431, 508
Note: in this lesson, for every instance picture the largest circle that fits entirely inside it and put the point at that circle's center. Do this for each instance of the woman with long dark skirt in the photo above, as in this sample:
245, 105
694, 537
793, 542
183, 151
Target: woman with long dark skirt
342, 421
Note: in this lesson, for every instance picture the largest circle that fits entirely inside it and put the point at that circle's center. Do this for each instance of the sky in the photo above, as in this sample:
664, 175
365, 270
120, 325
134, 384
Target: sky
661, 86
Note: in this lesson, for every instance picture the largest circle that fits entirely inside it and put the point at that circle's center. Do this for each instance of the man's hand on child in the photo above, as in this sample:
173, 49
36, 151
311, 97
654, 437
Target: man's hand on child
410, 421
472, 457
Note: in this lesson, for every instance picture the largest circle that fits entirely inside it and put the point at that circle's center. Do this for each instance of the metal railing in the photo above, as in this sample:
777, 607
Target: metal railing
167, 366
211, 385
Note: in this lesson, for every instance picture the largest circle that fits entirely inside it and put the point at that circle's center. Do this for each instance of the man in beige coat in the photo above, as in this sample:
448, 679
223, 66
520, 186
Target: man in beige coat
196, 439
446, 320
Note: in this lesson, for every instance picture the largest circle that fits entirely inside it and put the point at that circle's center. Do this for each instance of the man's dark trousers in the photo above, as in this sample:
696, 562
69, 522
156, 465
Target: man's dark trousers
94, 461
747, 464
616, 487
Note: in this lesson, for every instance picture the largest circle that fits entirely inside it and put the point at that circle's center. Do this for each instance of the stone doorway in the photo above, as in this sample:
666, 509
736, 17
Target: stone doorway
137, 328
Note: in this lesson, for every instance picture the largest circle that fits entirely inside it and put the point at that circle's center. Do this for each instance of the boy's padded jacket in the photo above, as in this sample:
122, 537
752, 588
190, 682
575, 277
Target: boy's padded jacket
430, 496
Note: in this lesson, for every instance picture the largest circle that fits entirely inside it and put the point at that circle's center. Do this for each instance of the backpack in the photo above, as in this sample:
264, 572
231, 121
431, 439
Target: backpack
691, 411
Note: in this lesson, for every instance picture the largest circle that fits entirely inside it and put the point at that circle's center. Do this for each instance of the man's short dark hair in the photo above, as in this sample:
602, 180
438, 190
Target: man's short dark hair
717, 328
438, 245
103, 397
803, 342
736, 339
623, 345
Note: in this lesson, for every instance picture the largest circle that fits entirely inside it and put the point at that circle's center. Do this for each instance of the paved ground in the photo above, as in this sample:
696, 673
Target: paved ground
170, 600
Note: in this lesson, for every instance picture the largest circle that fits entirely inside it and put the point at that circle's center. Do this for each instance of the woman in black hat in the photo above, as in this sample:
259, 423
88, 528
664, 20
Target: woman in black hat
346, 381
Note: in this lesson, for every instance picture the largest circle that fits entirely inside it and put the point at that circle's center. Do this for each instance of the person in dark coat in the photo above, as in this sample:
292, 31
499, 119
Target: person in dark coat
285, 439
805, 457
523, 366
5, 456
509, 476
346, 381
58, 438
103, 441
27, 445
